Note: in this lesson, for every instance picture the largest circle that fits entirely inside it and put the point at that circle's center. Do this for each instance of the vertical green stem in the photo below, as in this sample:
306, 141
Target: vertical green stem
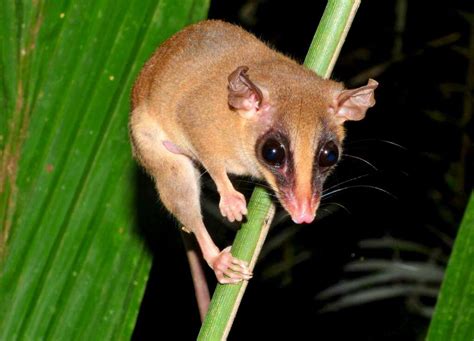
247, 245
321, 58
330, 35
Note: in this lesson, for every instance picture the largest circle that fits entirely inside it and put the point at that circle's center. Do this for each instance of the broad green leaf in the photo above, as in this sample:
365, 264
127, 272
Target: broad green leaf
454, 312
72, 264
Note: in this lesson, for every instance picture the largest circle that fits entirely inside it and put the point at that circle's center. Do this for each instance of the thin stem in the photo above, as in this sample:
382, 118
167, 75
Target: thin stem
321, 57
247, 245
330, 35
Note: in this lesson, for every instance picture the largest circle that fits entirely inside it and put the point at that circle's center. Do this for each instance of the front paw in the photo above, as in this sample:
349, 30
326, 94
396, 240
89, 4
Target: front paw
233, 206
230, 270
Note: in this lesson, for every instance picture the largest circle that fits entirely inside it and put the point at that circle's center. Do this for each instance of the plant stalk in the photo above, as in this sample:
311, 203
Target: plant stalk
322, 55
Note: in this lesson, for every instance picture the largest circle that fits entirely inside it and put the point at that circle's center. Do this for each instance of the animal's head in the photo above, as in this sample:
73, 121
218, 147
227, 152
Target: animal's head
297, 124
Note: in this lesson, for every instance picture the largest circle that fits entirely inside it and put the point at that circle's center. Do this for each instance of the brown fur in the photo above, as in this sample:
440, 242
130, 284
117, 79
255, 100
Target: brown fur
181, 96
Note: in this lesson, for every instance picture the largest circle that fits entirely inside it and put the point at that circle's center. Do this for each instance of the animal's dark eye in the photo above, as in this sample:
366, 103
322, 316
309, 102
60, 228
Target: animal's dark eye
273, 152
328, 155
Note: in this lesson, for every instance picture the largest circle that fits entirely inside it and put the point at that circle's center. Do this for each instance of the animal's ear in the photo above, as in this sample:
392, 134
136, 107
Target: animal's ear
244, 96
353, 103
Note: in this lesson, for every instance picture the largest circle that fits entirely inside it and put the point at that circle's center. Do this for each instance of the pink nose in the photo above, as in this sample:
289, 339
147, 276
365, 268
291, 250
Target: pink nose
302, 212
303, 218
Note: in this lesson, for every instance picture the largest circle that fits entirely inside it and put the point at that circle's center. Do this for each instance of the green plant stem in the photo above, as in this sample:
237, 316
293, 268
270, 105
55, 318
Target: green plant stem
321, 57
247, 245
330, 35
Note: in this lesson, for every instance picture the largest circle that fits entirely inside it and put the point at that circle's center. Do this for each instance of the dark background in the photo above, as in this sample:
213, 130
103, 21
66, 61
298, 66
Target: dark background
418, 139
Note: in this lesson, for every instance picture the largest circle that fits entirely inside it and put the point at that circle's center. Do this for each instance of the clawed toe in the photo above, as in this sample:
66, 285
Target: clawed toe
229, 269
233, 206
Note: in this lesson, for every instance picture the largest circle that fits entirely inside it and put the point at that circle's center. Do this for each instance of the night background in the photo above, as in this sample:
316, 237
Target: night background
404, 181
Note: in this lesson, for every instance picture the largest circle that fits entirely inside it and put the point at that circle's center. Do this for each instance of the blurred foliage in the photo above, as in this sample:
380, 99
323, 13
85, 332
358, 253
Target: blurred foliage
454, 314
73, 263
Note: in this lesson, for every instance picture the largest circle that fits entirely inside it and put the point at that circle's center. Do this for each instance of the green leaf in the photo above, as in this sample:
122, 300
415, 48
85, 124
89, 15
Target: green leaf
454, 312
72, 264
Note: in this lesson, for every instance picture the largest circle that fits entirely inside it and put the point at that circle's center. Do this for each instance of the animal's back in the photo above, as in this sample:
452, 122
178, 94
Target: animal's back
198, 53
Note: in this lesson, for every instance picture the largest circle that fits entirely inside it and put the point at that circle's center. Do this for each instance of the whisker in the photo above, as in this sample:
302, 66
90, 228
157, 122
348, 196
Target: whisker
362, 160
248, 188
359, 186
339, 205
347, 181
378, 140
280, 217
255, 183
323, 211
275, 201
203, 173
